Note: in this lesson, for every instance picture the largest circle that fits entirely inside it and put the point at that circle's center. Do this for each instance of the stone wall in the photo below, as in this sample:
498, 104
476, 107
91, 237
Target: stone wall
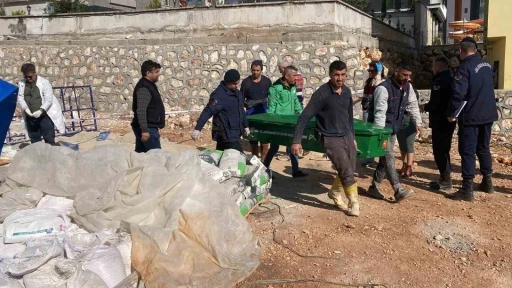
503, 101
189, 72
430, 53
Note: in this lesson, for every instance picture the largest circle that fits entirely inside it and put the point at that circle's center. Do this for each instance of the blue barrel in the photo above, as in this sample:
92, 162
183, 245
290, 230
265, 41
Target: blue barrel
8, 95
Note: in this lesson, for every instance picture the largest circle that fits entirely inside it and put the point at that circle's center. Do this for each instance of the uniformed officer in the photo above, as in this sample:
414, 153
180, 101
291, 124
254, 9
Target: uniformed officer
226, 106
473, 106
442, 130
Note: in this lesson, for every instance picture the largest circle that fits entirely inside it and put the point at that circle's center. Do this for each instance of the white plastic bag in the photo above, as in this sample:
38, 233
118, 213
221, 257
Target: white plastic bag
23, 225
62, 204
18, 199
234, 162
107, 262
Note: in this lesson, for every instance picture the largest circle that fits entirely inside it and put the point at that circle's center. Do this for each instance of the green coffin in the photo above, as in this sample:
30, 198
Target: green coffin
279, 129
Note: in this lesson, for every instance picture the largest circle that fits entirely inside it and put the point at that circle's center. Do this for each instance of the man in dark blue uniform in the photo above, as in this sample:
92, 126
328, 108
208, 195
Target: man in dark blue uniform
226, 106
442, 129
473, 105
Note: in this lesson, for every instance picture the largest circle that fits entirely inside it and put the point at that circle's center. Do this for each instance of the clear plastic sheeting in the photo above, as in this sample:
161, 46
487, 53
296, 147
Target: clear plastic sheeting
186, 231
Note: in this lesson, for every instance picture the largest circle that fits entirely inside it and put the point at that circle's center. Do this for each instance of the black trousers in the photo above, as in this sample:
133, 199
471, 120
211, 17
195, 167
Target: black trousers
229, 145
441, 145
474, 140
41, 127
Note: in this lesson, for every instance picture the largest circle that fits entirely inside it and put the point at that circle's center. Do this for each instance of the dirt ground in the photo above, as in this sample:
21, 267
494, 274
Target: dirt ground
425, 241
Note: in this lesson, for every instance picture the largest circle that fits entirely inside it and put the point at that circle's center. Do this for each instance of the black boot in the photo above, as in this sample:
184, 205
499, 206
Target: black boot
444, 183
486, 185
465, 193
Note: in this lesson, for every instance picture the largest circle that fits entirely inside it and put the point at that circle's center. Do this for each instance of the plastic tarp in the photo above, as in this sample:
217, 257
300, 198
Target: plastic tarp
186, 231
8, 97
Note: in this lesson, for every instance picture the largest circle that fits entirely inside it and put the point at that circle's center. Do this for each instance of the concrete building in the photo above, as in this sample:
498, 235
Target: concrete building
423, 19
498, 41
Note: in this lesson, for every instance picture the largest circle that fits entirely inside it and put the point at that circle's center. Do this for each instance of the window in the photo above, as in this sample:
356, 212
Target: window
465, 10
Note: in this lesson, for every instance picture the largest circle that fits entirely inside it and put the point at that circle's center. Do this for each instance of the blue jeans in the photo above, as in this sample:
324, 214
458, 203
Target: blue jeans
273, 151
152, 143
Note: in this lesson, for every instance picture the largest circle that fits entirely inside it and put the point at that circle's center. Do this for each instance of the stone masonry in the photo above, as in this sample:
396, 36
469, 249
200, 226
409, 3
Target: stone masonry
189, 72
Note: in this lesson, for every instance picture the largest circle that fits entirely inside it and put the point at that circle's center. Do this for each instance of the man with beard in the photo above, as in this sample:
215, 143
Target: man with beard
390, 101
255, 92
332, 106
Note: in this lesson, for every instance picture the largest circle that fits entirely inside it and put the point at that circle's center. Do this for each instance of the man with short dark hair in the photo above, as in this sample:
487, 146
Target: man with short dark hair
473, 106
255, 92
226, 106
391, 99
42, 111
283, 100
442, 130
332, 106
148, 109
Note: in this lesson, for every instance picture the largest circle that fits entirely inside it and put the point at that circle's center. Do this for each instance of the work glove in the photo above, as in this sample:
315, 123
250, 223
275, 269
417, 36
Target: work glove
37, 114
196, 134
28, 112
247, 131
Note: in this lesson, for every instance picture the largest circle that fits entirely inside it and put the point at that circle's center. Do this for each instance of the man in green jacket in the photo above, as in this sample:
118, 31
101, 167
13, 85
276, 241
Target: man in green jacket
282, 100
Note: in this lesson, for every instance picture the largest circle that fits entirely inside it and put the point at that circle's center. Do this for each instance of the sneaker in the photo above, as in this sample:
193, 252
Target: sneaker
299, 174
402, 194
374, 192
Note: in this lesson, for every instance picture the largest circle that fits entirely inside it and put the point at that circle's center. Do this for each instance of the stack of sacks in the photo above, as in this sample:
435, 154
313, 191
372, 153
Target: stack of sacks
247, 181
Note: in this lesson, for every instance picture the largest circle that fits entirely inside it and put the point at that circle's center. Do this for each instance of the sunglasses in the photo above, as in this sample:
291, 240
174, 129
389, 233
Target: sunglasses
371, 70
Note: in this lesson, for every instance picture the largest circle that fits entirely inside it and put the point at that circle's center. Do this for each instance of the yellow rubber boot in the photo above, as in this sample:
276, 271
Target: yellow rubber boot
336, 193
353, 204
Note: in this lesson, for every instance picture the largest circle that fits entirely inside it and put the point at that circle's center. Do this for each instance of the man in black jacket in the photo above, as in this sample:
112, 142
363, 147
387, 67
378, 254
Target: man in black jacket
473, 106
442, 130
148, 109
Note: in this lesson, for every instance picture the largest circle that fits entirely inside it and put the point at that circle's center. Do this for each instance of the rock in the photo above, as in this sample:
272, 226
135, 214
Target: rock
285, 242
337, 252
350, 225
438, 52
438, 237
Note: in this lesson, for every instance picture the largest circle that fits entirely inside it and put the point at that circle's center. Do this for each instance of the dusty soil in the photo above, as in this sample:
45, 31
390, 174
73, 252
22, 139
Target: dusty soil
425, 241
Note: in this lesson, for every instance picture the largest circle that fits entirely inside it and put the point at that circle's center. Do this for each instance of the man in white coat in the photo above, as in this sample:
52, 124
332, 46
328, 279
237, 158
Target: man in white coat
41, 109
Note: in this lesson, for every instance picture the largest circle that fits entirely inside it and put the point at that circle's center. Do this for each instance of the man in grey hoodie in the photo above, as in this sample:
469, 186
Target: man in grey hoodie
390, 101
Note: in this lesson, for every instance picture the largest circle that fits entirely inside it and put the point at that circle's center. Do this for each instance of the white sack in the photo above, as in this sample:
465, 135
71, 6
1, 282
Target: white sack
18, 199
6, 282
214, 172
63, 273
38, 252
107, 263
62, 204
234, 162
211, 156
23, 225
